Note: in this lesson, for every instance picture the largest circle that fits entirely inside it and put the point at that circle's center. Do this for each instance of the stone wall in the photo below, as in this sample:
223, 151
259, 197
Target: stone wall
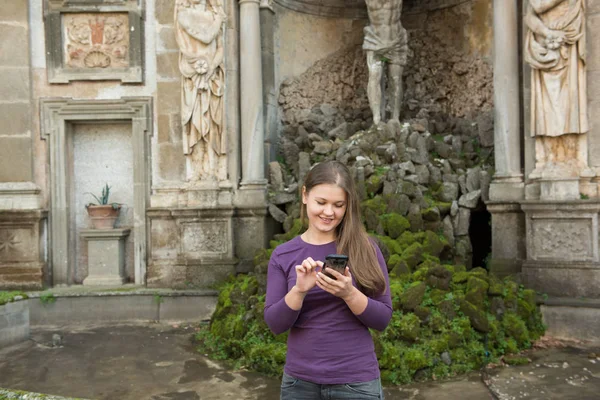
22, 222
16, 105
14, 323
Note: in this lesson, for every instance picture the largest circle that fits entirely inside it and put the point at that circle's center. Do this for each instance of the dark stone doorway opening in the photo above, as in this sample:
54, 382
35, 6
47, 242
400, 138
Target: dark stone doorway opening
480, 233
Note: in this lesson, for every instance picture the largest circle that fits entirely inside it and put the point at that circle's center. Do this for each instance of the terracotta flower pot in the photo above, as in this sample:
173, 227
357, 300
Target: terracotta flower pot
104, 216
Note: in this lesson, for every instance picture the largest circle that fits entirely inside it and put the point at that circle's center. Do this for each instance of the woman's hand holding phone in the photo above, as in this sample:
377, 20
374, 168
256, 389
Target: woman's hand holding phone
306, 274
341, 286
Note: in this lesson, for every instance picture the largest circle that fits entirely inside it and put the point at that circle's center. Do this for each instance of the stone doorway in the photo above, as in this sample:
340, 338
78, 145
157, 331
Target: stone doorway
62, 120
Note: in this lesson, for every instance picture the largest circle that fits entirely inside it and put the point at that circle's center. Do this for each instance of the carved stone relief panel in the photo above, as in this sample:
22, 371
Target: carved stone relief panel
205, 239
563, 239
15, 243
96, 40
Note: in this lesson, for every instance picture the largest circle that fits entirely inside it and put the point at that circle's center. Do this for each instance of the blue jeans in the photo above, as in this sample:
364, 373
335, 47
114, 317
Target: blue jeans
297, 389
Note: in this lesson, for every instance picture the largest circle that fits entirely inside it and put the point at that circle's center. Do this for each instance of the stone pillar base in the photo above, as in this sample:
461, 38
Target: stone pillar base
562, 247
250, 223
508, 238
192, 246
559, 189
572, 318
568, 279
106, 256
22, 240
507, 191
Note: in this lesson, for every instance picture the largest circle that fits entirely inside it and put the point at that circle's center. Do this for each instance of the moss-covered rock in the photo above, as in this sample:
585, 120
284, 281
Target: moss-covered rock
476, 291
393, 247
374, 184
436, 245
394, 224
439, 278
398, 267
397, 203
413, 255
431, 214
413, 296
477, 317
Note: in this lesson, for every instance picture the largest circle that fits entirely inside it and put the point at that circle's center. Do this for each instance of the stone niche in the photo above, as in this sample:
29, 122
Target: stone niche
62, 120
94, 40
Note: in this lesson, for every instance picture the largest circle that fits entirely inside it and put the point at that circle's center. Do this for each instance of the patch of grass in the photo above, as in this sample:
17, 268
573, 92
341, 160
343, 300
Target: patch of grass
47, 298
8, 297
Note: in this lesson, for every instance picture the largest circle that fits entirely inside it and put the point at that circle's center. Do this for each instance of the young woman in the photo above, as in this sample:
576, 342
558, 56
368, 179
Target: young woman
330, 350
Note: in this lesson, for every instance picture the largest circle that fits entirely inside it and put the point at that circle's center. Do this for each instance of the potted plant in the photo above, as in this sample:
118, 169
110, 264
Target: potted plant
102, 213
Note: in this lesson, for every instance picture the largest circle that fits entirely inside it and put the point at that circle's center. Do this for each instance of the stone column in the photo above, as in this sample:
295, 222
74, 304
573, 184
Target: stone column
507, 184
251, 91
507, 188
251, 200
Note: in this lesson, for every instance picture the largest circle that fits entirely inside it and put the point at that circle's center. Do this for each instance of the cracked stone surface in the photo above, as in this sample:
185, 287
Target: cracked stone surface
559, 373
159, 362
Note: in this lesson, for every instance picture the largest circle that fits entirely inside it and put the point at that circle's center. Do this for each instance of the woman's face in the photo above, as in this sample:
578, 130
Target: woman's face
325, 207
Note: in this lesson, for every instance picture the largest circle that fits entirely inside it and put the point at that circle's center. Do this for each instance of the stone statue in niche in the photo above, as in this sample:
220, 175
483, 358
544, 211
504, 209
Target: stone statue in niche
199, 28
556, 50
96, 40
386, 45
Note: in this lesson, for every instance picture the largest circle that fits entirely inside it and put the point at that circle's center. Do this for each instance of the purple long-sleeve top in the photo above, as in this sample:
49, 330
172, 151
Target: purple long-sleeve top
327, 343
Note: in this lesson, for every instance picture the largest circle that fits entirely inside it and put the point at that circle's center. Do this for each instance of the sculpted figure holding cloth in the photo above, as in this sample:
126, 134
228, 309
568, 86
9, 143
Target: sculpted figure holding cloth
199, 34
556, 50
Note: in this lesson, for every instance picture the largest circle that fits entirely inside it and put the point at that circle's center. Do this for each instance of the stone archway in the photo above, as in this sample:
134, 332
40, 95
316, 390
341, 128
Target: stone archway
57, 117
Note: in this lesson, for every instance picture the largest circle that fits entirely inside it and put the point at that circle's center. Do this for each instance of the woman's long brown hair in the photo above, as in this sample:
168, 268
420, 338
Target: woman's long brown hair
352, 238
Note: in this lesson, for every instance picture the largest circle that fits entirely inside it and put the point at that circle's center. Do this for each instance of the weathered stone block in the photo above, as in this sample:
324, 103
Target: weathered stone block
562, 278
171, 162
13, 11
169, 97
15, 119
15, 158
167, 65
164, 128
593, 61
14, 84
166, 39
14, 45
164, 11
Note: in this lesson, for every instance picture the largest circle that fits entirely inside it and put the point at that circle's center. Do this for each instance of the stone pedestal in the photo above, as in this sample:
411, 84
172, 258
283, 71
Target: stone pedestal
192, 246
562, 248
106, 256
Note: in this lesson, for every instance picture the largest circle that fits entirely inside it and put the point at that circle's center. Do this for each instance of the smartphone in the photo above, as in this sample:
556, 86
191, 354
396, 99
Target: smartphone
337, 262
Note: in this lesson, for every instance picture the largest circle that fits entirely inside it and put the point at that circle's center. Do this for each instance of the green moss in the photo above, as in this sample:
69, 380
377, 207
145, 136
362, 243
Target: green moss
397, 266
377, 204
392, 245
394, 224
416, 359
7, 297
406, 239
460, 277
516, 360
434, 244
413, 296
413, 255
516, 328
